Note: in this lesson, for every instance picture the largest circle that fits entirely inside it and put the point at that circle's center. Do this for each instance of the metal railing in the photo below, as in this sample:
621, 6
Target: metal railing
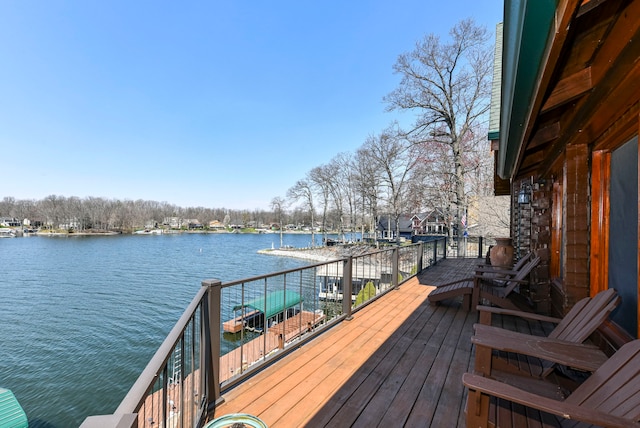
231, 330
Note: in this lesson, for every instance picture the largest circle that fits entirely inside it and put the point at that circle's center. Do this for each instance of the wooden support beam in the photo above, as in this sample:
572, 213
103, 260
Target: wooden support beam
544, 135
568, 89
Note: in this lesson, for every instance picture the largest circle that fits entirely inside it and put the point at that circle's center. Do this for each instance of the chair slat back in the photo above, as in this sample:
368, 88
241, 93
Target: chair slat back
520, 263
615, 387
585, 316
582, 320
522, 274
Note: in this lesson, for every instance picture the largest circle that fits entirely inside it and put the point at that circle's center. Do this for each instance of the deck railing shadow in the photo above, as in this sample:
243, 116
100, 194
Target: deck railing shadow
231, 330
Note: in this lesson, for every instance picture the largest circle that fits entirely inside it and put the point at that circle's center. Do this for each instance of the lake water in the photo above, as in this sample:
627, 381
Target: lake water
80, 317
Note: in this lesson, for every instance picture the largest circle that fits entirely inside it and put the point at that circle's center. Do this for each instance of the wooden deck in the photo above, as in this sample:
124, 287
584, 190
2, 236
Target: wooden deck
398, 362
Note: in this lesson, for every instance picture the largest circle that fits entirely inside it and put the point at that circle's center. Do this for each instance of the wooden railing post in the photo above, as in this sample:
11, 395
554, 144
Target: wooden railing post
211, 339
480, 252
347, 286
420, 257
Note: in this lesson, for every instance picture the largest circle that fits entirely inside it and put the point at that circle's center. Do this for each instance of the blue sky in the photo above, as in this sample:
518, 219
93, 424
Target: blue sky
213, 103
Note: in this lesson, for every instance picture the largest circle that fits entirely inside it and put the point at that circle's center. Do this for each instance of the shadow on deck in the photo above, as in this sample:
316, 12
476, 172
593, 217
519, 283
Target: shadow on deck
398, 362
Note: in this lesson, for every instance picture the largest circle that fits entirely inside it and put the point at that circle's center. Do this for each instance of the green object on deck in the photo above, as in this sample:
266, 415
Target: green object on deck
274, 304
11, 413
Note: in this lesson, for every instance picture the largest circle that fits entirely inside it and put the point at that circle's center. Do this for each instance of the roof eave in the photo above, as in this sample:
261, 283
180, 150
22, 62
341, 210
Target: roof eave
528, 31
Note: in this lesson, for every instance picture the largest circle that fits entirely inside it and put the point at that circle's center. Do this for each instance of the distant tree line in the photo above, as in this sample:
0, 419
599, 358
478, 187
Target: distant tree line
102, 214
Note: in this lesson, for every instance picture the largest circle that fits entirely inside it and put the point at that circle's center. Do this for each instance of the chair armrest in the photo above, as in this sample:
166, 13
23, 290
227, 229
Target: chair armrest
496, 269
497, 266
455, 282
482, 277
521, 314
560, 408
576, 355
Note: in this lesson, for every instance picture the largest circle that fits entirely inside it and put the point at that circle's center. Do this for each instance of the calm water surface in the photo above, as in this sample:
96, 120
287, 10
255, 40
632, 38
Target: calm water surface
80, 317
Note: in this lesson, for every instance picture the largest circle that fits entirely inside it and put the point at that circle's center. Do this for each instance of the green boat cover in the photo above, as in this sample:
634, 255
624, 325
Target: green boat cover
275, 302
11, 414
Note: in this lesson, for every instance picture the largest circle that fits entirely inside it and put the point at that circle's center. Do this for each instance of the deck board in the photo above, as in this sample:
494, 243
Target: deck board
399, 361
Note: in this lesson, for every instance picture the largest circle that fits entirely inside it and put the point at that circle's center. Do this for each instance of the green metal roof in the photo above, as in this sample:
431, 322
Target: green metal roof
11, 414
528, 25
274, 302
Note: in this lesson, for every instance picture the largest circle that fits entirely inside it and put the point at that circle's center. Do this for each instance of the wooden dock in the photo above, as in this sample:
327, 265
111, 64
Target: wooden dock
235, 325
240, 359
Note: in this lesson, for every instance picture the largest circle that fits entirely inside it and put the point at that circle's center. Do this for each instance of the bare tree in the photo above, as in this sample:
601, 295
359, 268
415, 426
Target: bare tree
8, 207
447, 84
335, 177
368, 183
318, 176
393, 157
346, 180
277, 205
303, 190
51, 209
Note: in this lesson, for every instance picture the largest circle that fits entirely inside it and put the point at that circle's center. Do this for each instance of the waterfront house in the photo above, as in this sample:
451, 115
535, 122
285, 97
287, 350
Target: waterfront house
150, 224
9, 222
388, 229
33, 223
70, 223
193, 223
429, 223
426, 223
173, 222
216, 225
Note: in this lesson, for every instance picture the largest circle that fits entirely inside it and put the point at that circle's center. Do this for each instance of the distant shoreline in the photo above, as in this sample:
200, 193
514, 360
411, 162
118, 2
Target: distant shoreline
20, 232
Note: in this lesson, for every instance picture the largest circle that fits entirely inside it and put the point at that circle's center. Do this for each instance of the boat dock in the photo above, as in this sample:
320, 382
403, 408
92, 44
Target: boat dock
235, 325
238, 360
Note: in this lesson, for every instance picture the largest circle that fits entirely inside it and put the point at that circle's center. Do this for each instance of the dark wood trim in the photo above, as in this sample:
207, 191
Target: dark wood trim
556, 230
620, 130
599, 251
588, 5
501, 187
569, 88
545, 135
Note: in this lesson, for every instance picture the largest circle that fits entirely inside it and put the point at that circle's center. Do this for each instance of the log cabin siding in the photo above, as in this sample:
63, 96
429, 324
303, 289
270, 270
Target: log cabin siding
583, 105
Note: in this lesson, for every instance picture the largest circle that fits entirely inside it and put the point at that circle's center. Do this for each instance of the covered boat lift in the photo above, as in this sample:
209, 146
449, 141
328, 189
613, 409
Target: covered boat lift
271, 308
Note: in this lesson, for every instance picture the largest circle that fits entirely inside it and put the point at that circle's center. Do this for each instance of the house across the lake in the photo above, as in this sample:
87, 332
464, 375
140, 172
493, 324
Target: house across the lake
10, 222
408, 225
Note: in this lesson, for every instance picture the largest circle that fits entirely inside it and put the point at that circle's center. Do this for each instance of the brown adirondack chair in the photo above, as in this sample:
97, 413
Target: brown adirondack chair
484, 284
610, 397
503, 293
500, 273
576, 327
